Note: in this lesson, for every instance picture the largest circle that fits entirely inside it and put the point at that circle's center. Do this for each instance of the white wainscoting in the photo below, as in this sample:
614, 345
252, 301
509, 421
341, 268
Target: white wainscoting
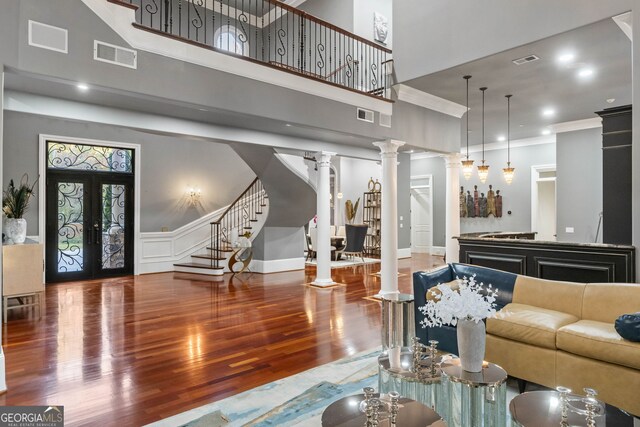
404, 253
160, 250
277, 265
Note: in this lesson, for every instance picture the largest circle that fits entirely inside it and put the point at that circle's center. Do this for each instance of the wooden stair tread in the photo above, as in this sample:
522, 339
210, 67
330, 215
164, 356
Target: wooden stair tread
208, 257
253, 220
221, 249
259, 213
197, 265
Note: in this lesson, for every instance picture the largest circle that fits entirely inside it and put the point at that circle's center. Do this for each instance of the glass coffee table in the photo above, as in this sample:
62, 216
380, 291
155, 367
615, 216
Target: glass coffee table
476, 399
544, 409
347, 412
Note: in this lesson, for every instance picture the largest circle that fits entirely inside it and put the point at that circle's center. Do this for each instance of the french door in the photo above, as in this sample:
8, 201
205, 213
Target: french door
89, 223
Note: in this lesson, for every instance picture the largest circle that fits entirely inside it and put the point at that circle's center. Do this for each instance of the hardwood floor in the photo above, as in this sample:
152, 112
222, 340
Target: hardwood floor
134, 350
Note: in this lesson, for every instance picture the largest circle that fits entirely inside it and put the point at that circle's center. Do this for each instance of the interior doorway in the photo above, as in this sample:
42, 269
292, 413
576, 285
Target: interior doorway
543, 202
89, 219
421, 214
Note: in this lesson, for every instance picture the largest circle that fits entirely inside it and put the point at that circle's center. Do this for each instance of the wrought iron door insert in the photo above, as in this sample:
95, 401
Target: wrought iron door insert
89, 208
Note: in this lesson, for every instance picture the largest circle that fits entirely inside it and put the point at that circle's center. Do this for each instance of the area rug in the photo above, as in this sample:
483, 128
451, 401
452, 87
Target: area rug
297, 400
347, 262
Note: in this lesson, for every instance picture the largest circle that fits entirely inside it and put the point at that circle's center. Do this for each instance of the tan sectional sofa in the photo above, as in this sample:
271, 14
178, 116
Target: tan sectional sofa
562, 333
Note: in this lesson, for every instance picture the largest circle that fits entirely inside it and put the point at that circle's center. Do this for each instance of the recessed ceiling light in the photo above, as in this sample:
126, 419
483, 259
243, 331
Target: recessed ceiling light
546, 132
521, 126
288, 125
548, 112
203, 109
83, 87
565, 58
502, 138
409, 151
611, 100
585, 72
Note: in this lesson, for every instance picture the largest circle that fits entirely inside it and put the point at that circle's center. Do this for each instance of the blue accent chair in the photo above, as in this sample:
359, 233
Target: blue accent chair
422, 281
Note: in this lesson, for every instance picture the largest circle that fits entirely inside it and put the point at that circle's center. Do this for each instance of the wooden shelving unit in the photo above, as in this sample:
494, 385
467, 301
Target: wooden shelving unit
372, 216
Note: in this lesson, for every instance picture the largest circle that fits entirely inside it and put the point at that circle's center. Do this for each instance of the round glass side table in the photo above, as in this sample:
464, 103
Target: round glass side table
544, 409
476, 399
395, 374
346, 413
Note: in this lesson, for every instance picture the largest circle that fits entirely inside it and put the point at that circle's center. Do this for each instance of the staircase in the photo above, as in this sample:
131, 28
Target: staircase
246, 214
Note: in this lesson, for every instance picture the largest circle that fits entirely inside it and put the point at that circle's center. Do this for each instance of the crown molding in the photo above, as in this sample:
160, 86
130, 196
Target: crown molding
426, 100
625, 22
594, 122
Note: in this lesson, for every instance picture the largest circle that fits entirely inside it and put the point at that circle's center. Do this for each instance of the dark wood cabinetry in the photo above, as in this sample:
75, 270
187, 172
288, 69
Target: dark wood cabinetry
616, 175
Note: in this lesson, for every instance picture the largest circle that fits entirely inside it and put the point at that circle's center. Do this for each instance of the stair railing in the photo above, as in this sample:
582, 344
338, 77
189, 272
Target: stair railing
236, 220
274, 34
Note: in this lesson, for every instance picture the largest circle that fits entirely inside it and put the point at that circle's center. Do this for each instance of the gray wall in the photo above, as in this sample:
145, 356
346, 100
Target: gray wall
579, 184
434, 166
517, 196
438, 34
338, 12
169, 166
161, 77
363, 18
273, 243
404, 200
427, 129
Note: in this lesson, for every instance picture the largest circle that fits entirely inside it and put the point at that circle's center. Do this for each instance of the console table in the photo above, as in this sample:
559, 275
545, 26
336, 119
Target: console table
22, 276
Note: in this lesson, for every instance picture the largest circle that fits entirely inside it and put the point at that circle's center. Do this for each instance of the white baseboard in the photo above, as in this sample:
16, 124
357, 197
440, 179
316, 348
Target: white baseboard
438, 250
3, 381
404, 253
277, 265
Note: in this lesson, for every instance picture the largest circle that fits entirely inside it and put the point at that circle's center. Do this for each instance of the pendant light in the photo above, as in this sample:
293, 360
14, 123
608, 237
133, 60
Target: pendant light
483, 170
508, 171
467, 165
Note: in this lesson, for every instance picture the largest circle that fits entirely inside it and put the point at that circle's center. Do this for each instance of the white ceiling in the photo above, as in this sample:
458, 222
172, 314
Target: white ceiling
543, 84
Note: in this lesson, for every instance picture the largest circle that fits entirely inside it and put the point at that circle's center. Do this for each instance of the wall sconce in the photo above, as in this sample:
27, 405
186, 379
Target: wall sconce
340, 196
193, 196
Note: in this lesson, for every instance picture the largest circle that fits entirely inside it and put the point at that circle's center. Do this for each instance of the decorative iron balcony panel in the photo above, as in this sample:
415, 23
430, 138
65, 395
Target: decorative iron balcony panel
276, 35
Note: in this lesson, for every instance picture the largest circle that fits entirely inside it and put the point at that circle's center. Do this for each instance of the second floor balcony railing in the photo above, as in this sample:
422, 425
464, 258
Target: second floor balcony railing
274, 34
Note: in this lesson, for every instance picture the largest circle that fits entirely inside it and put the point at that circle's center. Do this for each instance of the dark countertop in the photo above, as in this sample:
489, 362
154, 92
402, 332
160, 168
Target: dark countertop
478, 237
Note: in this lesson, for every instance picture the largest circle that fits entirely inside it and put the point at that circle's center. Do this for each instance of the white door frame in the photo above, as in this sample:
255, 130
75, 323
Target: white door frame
430, 185
42, 170
536, 170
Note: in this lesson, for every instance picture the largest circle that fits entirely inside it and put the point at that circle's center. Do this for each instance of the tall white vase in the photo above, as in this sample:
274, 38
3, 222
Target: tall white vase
16, 229
471, 344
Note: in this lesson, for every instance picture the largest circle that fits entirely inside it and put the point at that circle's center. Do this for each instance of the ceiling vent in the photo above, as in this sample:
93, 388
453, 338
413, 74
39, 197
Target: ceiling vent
526, 59
116, 55
365, 115
385, 120
48, 37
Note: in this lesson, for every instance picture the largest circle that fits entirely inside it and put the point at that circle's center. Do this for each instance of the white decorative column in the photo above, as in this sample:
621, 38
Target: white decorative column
389, 232
323, 212
452, 225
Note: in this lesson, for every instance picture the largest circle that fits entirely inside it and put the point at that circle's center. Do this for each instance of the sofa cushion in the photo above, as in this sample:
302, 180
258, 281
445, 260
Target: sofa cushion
605, 302
555, 295
598, 340
434, 292
529, 324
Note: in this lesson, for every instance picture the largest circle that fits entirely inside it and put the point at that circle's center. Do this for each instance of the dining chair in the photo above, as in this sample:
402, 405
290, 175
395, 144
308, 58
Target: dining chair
341, 231
356, 235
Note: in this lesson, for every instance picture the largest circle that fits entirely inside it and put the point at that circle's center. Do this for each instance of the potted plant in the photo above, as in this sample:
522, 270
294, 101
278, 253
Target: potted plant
464, 305
15, 201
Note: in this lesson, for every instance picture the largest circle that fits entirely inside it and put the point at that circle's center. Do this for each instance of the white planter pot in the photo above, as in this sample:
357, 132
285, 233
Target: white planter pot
16, 229
471, 344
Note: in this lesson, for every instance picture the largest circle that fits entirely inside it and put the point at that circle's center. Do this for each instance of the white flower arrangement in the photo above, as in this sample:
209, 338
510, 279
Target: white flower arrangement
472, 301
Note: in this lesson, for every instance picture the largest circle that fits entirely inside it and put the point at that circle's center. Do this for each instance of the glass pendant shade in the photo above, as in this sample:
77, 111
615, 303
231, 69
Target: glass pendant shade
508, 174
483, 173
467, 169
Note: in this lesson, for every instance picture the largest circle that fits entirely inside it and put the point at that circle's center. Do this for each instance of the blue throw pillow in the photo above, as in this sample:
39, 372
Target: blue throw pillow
628, 326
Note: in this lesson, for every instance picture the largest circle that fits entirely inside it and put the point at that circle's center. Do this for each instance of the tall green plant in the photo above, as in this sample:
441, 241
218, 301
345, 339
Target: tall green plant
15, 200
